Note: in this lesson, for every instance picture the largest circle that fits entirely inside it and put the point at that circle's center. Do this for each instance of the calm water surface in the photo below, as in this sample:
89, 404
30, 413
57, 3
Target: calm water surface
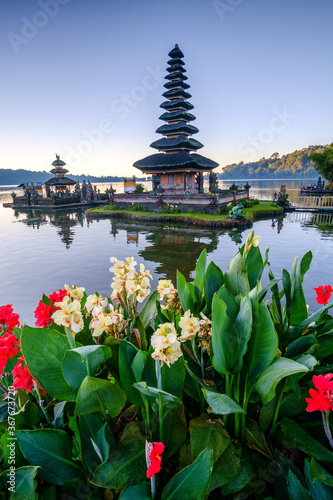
40, 252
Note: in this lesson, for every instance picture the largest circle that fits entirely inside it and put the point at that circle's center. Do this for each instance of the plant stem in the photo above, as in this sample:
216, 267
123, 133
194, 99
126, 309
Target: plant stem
326, 422
237, 415
158, 375
160, 405
227, 392
276, 412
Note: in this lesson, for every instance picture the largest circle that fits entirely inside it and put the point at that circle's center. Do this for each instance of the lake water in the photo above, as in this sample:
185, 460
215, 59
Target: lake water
41, 252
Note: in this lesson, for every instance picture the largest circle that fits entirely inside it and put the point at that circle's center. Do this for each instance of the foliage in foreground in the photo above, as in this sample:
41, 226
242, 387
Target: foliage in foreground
217, 371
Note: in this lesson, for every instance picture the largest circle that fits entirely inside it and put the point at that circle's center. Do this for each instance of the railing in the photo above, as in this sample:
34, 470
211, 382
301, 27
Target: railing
316, 202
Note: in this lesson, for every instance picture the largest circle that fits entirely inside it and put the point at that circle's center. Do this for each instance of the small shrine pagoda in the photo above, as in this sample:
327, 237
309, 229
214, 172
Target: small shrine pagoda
176, 168
59, 181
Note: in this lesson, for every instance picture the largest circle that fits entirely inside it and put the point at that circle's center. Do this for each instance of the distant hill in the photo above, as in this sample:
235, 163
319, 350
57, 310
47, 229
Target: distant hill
9, 177
292, 165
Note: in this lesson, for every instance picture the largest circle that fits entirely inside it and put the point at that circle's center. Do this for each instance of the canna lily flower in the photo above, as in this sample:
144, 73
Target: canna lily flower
323, 294
153, 457
322, 398
75, 292
189, 325
251, 240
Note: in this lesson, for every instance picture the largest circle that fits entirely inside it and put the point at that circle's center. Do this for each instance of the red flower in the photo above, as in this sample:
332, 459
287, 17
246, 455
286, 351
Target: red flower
22, 377
322, 398
57, 296
8, 349
155, 459
323, 294
8, 319
43, 314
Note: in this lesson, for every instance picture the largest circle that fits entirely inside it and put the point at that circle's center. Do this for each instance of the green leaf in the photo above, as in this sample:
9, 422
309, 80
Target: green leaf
244, 477
173, 377
221, 404
243, 324
213, 282
126, 466
192, 482
24, 484
228, 467
299, 438
127, 353
254, 266
51, 450
89, 426
184, 293
208, 433
232, 306
236, 278
225, 343
43, 350
138, 365
298, 310
267, 287
318, 472
271, 376
295, 331
149, 309
138, 492
83, 361
97, 395
318, 489
175, 431
295, 488
302, 345
169, 400
263, 342
200, 270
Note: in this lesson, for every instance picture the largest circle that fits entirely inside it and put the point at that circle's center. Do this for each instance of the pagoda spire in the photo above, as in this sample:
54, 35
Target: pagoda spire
177, 148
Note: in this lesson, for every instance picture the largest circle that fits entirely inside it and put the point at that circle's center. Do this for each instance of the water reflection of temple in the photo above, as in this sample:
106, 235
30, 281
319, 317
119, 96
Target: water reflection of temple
64, 221
177, 249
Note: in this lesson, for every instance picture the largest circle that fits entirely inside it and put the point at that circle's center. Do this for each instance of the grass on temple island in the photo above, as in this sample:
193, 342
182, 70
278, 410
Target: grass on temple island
250, 214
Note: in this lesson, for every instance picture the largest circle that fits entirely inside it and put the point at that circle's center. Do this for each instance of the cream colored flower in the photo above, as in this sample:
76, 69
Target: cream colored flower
69, 314
94, 301
189, 325
251, 240
75, 292
166, 345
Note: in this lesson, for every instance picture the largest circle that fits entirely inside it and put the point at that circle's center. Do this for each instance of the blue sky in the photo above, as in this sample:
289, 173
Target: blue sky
84, 78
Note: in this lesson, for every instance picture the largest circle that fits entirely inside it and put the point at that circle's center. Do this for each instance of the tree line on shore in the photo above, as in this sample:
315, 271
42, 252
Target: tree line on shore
296, 164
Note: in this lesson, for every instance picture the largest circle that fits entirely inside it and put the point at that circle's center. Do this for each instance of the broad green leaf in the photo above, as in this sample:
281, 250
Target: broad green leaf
271, 376
126, 466
228, 467
192, 482
266, 288
256, 440
99, 395
232, 306
295, 331
58, 414
28, 416
254, 266
236, 278
138, 365
318, 489
221, 404
318, 472
184, 293
245, 476
89, 426
149, 309
24, 484
207, 433
275, 305
137, 492
295, 488
43, 350
169, 400
82, 361
175, 431
299, 438
263, 342
200, 270
225, 342
325, 345
243, 324
173, 377
51, 450
127, 353
298, 310
213, 282
302, 345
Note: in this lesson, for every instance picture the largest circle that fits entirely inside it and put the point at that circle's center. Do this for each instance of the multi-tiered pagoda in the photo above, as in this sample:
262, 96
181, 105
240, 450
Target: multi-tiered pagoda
177, 168
59, 181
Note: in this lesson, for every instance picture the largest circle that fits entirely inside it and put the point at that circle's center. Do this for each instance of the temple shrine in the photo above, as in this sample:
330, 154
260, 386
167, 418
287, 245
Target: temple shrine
59, 181
176, 168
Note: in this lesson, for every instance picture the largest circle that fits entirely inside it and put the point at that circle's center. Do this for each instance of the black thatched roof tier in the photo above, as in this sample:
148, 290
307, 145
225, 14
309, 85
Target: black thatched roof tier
176, 143
182, 161
176, 83
177, 128
176, 76
174, 93
179, 114
176, 60
59, 170
60, 181
176, 68
58, 163
176, 53
176, 104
